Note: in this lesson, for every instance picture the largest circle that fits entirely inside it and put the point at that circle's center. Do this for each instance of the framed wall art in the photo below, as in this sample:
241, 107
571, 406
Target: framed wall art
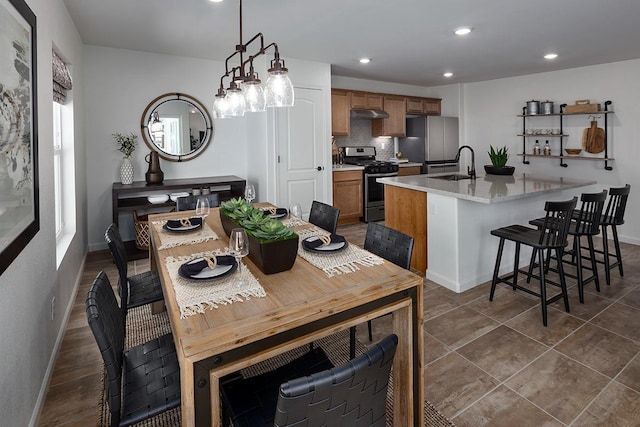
19, 203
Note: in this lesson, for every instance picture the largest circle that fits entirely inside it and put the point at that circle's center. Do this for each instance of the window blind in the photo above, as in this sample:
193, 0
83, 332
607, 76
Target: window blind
61, 79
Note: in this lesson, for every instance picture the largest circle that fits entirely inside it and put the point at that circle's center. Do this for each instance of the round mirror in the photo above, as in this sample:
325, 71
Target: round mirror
177, 126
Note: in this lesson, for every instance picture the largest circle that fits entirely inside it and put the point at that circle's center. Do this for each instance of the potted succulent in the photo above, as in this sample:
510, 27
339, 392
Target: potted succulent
498, 164
272, 246
126, 145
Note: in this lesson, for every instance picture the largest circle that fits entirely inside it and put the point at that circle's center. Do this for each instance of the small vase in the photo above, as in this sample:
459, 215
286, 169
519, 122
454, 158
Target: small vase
126, 171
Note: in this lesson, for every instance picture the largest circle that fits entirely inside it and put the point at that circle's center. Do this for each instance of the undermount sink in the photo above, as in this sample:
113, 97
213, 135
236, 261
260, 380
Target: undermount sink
452, 177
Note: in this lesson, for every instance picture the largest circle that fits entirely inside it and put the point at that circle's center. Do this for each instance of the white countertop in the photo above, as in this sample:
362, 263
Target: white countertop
489, 188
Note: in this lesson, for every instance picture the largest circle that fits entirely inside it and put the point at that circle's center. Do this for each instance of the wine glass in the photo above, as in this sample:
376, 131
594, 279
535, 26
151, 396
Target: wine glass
295, 210
202, 207
249, 193
239, 247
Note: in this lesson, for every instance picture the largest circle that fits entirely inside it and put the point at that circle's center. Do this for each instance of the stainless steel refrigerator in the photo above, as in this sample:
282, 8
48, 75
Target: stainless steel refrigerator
431, 141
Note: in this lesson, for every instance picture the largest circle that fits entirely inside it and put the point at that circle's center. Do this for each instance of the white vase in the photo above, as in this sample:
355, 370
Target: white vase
126, 171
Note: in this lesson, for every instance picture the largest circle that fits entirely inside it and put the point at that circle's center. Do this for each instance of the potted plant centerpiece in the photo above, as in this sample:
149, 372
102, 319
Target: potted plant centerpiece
272, 246
126, 145
498, 164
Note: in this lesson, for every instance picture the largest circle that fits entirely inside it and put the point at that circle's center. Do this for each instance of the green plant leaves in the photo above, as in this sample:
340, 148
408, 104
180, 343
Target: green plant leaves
255, 221
498, 157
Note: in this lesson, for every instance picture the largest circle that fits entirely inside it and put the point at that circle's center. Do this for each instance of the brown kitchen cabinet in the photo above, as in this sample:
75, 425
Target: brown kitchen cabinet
395, 125
423, 106
408, 170
340, 112
366, 100
347, 195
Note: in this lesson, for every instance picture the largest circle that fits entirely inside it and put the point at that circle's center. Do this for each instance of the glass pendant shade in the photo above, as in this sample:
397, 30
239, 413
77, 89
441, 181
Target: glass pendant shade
237, 103
220, 107
279, 91
254, 97
156, 126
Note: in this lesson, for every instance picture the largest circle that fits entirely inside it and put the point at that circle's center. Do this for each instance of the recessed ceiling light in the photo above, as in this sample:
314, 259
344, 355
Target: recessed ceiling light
448, 74
551, 56
215, 1
365, 60
463, 31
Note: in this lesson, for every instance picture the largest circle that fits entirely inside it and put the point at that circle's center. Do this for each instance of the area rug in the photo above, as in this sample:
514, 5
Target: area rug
143, 326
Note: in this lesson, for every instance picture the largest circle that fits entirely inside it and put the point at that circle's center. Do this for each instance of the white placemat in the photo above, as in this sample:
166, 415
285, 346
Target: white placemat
171, 240
345, 261
196, 296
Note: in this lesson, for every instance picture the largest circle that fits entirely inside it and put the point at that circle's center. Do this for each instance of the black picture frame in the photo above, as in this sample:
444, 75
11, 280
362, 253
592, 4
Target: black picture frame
19, 186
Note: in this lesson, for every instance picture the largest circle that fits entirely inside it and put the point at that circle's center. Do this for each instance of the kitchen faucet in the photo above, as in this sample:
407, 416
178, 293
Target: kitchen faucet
470, 171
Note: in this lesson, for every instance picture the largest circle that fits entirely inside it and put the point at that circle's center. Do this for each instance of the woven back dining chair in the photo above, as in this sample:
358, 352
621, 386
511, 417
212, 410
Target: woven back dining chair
390, 244
188, 203
139, 289
142, 381
353, 394
324, 216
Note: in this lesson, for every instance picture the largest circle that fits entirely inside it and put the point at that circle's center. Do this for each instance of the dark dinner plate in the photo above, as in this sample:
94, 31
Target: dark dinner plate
192, 270
174, 225
280, 213
314, 244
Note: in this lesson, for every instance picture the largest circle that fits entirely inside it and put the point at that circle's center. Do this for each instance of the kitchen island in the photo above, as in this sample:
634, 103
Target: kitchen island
451, 220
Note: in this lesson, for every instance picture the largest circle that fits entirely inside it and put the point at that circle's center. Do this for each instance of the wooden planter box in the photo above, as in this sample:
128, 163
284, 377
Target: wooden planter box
269, 257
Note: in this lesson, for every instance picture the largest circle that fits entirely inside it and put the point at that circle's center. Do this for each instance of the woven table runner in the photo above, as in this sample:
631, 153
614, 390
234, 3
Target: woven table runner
195, 297
171, 240
346, 261
293, 222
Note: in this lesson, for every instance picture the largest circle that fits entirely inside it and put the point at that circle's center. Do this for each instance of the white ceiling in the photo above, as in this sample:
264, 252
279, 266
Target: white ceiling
409, 41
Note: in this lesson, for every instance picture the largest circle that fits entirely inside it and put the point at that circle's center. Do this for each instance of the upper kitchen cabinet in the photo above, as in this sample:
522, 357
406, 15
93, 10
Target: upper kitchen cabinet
395, 125
365, 100
340, 110
423, 106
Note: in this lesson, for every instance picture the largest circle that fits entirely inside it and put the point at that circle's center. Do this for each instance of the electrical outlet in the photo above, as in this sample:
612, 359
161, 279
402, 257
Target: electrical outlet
53, 308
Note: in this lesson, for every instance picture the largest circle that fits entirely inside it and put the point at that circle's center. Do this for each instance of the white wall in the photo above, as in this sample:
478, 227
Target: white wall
29, 337
491, 107
119, 85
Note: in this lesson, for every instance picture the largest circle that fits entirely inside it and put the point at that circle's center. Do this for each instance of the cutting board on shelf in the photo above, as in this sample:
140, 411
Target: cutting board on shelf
593, 138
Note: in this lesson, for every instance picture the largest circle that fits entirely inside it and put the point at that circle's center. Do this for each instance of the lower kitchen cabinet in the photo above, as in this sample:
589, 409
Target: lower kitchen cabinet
347, 195
408, 170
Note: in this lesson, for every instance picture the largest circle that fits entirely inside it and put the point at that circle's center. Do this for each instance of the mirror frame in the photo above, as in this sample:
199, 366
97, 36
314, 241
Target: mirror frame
175, 96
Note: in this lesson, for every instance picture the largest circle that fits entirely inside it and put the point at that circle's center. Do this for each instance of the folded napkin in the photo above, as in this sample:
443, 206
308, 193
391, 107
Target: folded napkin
275, 211
184, 222
193, 268
310, 243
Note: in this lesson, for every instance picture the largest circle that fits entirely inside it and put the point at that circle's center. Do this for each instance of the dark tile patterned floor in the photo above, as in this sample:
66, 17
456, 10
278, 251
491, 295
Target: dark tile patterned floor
486, 363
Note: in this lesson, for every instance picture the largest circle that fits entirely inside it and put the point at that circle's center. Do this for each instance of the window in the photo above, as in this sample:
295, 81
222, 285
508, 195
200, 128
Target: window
57, 169
64, 180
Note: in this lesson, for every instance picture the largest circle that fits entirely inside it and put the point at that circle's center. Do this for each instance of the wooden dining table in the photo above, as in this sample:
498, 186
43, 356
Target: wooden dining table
301, 306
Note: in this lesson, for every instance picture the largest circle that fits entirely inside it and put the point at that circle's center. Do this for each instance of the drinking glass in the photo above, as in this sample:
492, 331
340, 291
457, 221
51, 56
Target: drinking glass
202, 207
249, 193
239, 247
295, 211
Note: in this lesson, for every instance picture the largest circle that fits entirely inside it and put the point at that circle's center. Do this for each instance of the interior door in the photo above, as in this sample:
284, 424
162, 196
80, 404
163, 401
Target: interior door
302, 151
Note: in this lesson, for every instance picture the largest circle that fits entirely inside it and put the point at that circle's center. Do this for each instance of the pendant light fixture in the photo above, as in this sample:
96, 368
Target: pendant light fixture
245, 91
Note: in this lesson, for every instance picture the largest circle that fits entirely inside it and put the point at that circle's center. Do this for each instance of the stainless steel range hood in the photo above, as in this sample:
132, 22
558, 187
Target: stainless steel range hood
369, 114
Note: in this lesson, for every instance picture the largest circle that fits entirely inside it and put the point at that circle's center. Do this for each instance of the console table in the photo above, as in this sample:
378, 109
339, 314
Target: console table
133, 197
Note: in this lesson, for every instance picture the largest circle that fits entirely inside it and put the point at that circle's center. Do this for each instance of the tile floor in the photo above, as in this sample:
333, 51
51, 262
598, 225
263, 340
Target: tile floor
486, 363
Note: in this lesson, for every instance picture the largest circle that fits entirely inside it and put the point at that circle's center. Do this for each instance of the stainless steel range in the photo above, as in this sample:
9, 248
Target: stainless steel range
373, 169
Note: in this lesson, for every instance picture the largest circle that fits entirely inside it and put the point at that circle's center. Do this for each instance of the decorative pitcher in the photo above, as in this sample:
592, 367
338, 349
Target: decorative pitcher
154, 174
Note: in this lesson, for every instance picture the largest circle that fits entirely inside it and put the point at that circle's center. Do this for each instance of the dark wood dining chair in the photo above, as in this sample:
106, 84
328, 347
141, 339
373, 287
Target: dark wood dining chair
324, 216
550, 236
136, 290
390, 244
612, 217
188, 203
585, 223
353, 394
142, 381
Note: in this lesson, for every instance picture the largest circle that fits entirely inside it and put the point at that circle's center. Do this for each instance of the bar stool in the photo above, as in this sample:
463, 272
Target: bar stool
585, 222
612, 217
551, 236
